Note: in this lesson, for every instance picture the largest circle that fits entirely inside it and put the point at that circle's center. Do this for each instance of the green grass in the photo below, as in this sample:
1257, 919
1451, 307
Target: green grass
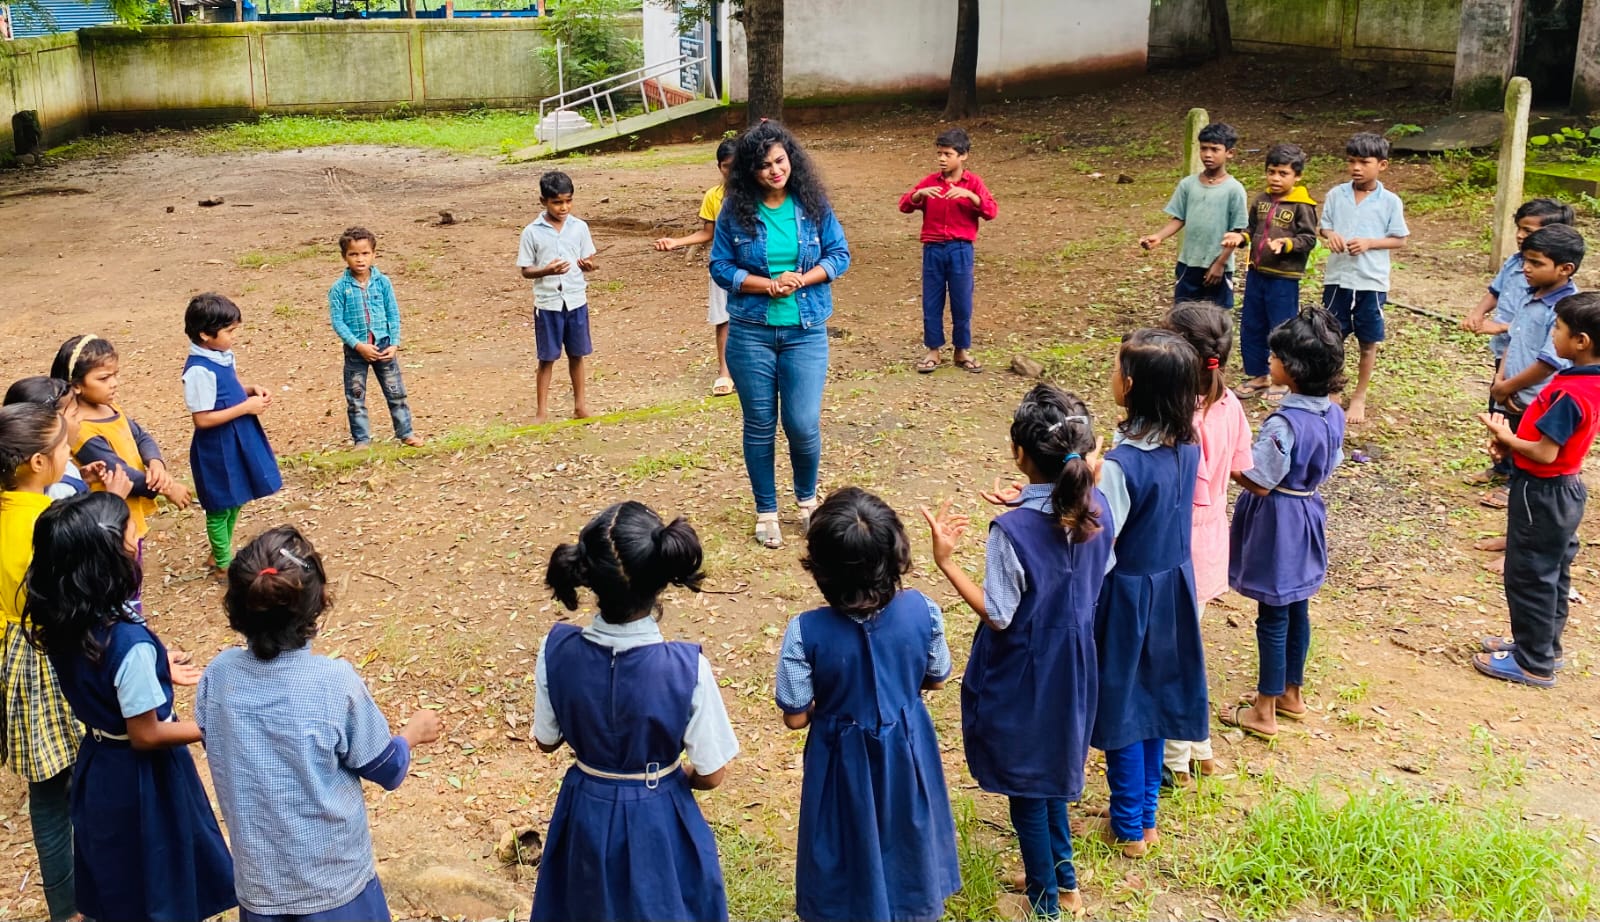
476, 132
651, 465
979, 897
758, 872
1392, 855
266, 259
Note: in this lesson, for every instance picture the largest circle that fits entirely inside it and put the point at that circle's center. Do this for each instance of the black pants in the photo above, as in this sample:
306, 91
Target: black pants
1541, 541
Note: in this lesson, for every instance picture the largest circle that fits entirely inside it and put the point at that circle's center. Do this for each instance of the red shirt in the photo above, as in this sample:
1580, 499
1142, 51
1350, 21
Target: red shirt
1567, 412
951, 219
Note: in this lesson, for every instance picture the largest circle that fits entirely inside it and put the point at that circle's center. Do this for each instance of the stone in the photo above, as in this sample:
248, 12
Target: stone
1124, 179
520, 845
1513, 158
1026, 367
171, 209
212, 201
1196, 120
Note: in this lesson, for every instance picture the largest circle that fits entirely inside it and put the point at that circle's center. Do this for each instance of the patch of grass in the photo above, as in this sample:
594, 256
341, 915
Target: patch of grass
1389, 854
1496, 769
284, 310
481, 131
651, 465
104, 144
979, 897
1355, 693
266, 259
758, 872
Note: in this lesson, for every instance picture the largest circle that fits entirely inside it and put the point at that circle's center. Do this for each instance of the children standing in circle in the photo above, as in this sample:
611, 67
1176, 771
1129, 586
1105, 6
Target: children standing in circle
1278, 552
147, 843
89, 365
1224, 433
283, 725
627, 842
1146, 626
877, 839
229, 455
717, 299
1030, 688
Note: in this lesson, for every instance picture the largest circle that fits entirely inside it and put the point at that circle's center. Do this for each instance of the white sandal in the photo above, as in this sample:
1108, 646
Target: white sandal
768, 532
807, 508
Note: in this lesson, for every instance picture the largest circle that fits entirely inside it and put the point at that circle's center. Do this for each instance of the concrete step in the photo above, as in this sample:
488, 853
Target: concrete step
637, 124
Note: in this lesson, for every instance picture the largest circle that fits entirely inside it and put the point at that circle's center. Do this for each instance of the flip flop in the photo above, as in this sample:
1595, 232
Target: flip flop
1503, 645
722, 387
970, 365
1275, 394
927, 366
1498, 498
1231, 719
1247, 390
1296, 716
1504, 666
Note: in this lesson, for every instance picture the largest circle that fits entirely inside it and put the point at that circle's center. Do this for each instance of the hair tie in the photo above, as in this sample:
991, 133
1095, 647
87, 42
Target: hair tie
1073, 456
1211, 363
268, 571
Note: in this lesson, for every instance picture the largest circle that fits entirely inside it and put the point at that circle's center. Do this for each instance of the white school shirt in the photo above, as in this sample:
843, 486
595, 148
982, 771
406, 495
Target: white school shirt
540, 244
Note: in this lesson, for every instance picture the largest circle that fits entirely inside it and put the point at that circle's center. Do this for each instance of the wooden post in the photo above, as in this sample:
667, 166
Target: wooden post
1198, 119
238, 10
1513, 157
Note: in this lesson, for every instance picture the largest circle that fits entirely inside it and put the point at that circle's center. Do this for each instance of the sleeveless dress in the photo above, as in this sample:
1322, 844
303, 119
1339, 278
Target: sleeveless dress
1147, 624
232, 463
118, 433
877, 839
1279, 542
625, 850
1029, 695
147, 844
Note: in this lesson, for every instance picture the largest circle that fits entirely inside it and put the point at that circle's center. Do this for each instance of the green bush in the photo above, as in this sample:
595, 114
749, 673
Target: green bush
594, 41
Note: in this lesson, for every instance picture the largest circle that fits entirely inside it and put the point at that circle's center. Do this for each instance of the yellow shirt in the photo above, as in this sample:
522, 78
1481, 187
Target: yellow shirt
119, 435
18, 512
711, 205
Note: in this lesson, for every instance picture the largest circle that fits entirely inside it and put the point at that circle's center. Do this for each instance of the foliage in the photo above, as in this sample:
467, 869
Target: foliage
691, 13
132, 12
594, 41
979, 896
1403, 130
480, 131
1569, 143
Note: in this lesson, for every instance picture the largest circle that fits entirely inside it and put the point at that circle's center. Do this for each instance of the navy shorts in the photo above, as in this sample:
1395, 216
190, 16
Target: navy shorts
557, 330
1358, 312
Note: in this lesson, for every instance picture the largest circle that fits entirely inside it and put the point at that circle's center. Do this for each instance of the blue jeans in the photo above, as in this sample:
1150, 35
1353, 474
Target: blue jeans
1046, 846
779, 370
1134, 775
355, 395
1283, 637
50, 812
1268, 301
1189, 285
947, 266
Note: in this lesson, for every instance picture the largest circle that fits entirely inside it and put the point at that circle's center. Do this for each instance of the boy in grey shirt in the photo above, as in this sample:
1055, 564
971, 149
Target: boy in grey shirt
1205, 206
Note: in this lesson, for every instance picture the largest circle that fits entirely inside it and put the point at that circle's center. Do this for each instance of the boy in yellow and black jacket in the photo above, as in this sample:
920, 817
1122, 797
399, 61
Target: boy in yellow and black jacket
1282, 234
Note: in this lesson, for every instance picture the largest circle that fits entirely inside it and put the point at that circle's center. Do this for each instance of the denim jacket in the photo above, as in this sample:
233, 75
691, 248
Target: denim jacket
737, 253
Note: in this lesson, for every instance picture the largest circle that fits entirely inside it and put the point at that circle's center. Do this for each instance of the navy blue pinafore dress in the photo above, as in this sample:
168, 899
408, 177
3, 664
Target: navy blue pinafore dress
1278, 543
1147, 623
877, 839
146, 843
1029, 695
625, 850
232, 463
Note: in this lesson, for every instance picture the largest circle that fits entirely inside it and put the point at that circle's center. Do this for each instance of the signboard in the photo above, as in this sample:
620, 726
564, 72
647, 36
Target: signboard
5, 22
691, 47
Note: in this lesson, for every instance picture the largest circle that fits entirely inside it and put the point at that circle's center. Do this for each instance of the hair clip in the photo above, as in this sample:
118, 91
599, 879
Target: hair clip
269, 571
293, 559
1076, 419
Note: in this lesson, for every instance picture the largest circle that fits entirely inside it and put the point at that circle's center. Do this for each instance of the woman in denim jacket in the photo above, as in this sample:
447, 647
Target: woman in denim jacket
777, 250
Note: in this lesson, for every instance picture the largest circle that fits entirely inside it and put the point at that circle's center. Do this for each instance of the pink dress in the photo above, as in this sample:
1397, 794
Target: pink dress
1224, 449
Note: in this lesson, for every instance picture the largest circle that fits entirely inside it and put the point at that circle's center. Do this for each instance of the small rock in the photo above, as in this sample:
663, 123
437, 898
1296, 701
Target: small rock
446, 218
171, 209
521, 845
1026, 367
1123, 179
211, 201
605, 200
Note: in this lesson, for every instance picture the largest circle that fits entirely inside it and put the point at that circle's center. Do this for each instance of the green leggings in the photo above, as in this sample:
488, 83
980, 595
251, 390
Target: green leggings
219, 529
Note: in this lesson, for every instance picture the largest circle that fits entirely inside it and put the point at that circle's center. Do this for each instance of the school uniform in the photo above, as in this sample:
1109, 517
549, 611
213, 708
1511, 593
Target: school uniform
147, 843
1029, 694
627, 842
232, 463
1147, 626
1278, 545
877, 839
1356, 286
118, 441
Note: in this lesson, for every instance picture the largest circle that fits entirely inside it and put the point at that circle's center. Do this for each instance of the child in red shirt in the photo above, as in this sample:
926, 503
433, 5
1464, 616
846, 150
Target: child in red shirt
951, 201
1547, 500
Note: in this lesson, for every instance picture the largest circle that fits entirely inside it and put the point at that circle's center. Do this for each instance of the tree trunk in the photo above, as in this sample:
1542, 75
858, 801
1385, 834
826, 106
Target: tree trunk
763, 31
963, 99
1221, 28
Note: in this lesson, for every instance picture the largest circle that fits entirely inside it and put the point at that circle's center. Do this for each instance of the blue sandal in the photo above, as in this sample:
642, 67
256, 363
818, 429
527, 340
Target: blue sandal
1506, 645
1504, 666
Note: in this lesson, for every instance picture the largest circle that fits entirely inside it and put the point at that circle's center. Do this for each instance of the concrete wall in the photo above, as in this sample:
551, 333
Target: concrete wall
43, 74
1180, 32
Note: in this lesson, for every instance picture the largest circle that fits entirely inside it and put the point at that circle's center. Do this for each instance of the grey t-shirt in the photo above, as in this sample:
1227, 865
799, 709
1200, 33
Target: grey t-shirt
1207, 212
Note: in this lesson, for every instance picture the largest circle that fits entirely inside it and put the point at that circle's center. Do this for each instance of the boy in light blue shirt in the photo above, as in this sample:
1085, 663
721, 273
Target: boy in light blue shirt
1361, 222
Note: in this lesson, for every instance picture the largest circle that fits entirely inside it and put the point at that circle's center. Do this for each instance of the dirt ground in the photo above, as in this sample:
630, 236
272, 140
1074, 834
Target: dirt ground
438, 554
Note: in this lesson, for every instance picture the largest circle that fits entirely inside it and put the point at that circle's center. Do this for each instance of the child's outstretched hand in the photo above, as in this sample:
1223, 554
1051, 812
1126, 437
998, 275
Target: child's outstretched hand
1336, 241
1498, 427
587, 264
176, 493
422, 728
114, 479
1235, 239
946, 530
182, 669
665, 243
1279, 245
1003, 495
1150, 241
156, 478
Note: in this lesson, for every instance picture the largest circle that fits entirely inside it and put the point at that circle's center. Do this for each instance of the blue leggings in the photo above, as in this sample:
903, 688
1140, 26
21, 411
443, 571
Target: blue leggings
1134, 776
1046, 846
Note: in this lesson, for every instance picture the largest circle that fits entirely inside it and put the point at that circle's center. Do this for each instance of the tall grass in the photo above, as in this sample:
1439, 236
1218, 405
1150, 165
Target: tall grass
477, 132
1393, 855
758, 872
979, 898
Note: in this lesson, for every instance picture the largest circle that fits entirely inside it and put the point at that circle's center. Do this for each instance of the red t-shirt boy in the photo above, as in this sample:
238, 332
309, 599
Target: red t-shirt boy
951, 201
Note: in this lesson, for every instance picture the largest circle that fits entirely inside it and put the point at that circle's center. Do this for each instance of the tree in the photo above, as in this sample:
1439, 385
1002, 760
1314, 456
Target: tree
1221, 29
763, 32
963, 99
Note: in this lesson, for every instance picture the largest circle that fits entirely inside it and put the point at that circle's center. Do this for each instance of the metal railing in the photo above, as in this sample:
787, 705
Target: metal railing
601, 92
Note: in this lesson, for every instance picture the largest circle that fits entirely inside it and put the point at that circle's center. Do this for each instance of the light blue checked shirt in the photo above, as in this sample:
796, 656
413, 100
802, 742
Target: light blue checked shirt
794, 689
364, 313
289, 741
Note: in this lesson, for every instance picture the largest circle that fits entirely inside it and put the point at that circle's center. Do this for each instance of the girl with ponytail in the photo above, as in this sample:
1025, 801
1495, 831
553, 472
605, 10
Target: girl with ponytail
627, 842
1223, 431
1030, 689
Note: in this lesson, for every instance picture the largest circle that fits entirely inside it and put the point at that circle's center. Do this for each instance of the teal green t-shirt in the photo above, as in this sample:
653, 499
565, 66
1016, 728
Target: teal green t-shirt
783, 255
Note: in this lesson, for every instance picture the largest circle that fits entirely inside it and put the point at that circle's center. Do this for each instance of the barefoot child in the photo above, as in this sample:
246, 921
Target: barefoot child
951, 201
1224, 433
229, 455
366, 318
717, 300
1547, 500
555, 251
877, 839
147, 844
282, 726
1361, 222
1278, 548
1206, 207
1146, 624
627, 842
1029, 691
